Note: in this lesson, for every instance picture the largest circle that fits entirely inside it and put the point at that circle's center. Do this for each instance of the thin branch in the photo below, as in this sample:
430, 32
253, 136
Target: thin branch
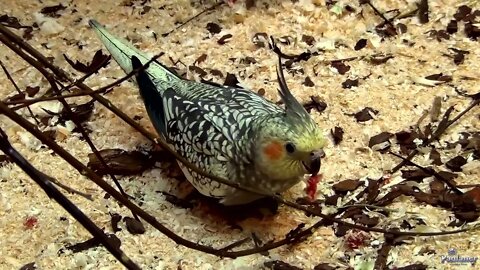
437, 134
18, 90
15, 40
85, 92
431, 172
67, 188
66, 106
194, 17
385, 20
71, 208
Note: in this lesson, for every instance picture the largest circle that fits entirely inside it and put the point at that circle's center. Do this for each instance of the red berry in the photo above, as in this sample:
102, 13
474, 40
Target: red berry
312, 186
30, 222
356, 238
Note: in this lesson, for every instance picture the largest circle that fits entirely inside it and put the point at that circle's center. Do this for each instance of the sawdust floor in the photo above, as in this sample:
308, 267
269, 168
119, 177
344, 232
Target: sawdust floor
396, 89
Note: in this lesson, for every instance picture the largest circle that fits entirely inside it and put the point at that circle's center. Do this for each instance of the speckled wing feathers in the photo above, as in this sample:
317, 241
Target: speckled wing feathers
210, 127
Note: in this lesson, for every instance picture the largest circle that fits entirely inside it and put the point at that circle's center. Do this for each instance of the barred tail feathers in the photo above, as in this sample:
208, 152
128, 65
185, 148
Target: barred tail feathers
122, 51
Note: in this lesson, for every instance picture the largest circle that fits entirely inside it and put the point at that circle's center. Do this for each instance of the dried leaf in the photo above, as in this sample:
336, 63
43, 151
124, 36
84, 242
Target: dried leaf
27, 32
459, 56
224, 39
415, 175
406, 139
332, 200
364, 219
381, 141
402, 28
52, 11
452, 27
372, 190
200, 71
472, 31
308, 39
10, 21
337, 135
437, 187
145, 10
361, 43
426, 82
308, 82
324, 266
462, 12
231, 80
177, 201
423, 11
436, 109
386, 30
32, 91
29, 266
315, 103
248, 60
134, 226
435, 157
99, 61
341, 230
455, 164
249, 4
120, 162
381, 261
439, 77
4, 160
16, 97
349, 83
200, 59
82, 112
347, 185
439, 35
214, 28
365, 114
279, 265
416, 266
216, 72
115, 219
260, 40
379, 59
341, 67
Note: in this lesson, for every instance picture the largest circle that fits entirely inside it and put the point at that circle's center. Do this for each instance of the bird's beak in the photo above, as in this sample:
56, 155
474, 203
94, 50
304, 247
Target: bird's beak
313, 163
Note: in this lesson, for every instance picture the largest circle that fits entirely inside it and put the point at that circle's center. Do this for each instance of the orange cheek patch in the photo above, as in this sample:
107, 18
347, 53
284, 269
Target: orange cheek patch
273, 150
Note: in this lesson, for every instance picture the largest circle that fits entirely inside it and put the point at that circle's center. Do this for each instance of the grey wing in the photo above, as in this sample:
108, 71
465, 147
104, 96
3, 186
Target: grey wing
231, 110
211, 127
196, 139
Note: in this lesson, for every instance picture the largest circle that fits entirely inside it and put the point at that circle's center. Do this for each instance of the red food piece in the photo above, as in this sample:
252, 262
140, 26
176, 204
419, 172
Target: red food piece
30, 222
356, 238
386, 179
311, 188
474, 194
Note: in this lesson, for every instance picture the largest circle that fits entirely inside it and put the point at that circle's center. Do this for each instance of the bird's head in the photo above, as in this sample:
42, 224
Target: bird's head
290, 144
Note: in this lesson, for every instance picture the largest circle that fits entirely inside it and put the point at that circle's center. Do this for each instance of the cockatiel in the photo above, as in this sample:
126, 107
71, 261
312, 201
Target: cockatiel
229, 132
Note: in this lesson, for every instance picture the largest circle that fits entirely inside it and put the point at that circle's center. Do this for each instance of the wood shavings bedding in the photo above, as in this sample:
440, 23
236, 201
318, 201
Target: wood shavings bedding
396, 90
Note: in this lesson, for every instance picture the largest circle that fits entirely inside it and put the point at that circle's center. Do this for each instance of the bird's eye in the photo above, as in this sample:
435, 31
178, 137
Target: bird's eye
290, 147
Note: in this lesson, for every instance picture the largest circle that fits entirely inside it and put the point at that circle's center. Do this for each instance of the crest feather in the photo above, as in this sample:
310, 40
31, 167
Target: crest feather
292, 106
